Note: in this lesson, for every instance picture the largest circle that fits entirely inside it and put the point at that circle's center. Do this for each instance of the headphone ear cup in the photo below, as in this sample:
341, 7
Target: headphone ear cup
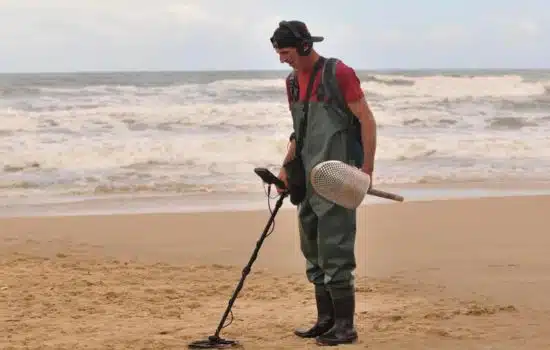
304, 48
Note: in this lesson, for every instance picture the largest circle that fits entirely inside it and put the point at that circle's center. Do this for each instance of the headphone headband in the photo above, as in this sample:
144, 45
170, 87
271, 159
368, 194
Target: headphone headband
293, 29
294, 34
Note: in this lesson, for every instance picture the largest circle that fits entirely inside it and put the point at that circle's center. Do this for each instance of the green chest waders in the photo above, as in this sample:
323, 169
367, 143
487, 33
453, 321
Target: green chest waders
327, 230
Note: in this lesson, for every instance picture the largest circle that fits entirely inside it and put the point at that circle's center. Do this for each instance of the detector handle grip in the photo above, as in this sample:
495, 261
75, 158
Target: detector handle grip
269, 178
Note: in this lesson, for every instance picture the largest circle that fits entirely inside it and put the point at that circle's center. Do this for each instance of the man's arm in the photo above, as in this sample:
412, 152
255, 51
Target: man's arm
292, 138
291, 150
350, 86
363, 112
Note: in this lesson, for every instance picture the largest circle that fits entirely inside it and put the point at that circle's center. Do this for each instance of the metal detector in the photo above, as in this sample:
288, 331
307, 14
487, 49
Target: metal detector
215, 341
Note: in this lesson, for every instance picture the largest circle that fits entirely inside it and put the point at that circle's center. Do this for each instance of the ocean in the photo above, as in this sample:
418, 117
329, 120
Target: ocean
119, 136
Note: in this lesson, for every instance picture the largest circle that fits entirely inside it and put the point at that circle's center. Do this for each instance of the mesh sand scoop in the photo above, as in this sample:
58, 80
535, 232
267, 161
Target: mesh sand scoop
340, 183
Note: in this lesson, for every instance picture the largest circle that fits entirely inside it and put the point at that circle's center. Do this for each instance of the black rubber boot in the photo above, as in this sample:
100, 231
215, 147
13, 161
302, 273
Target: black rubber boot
343, 331
325, 315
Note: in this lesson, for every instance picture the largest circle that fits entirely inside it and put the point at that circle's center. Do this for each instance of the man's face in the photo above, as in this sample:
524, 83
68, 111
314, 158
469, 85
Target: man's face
290, 56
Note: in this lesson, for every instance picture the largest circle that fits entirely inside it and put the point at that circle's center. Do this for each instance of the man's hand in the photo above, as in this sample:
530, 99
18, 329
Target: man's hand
367, 169
283, 177
289, 156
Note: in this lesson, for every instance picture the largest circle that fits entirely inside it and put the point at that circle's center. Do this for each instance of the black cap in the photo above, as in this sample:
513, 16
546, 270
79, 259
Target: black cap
291, 33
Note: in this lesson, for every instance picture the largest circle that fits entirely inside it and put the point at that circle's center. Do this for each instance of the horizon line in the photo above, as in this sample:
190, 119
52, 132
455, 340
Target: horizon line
241, 70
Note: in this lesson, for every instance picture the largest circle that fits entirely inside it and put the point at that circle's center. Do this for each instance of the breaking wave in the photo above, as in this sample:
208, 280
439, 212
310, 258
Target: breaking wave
88, 134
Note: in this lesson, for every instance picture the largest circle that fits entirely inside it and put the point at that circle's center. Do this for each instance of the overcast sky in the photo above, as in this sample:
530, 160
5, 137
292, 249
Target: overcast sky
77, 35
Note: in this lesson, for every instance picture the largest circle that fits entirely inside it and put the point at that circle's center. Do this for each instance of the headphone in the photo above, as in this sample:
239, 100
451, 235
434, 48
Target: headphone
304, 45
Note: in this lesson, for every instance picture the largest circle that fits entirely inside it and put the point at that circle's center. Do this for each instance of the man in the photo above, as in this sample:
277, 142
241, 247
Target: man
327, 230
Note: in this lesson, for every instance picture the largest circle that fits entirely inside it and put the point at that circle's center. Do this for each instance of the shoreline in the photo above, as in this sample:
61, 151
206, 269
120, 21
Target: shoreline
220, 202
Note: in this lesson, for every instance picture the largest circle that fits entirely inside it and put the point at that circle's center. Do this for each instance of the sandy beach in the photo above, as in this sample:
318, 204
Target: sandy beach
453, 274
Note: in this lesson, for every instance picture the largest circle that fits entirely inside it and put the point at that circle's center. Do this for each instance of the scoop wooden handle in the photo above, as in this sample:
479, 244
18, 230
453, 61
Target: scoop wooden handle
387, 195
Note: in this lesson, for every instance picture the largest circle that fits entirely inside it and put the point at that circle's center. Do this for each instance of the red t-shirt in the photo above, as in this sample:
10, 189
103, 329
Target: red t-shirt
347, 80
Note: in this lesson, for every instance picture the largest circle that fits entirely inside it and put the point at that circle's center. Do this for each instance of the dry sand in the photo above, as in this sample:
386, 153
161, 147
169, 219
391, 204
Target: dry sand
460, 274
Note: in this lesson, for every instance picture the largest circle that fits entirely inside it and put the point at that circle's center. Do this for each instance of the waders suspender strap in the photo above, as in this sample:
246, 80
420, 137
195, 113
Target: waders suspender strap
303, 124
333, 93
